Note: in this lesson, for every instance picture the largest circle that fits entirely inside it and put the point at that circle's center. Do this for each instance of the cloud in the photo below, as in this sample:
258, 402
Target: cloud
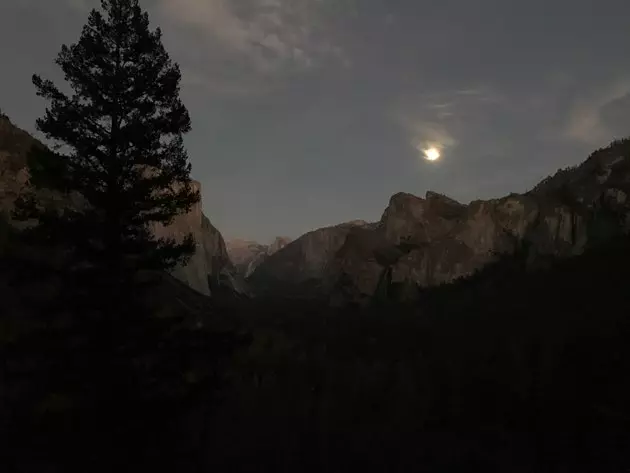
237, 47
615, 116
426, 134
435, 119
600, 117
270, 34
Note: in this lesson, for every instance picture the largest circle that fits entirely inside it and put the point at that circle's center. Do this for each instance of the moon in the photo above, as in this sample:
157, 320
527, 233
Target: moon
432, 154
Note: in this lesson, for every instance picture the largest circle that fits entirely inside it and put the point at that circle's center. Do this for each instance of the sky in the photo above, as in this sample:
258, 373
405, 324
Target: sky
309, 113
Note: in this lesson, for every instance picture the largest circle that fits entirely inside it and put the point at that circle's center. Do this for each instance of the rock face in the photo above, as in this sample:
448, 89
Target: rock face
247, 255
421, 242
15, 145
299, 267
210, 261
431, 241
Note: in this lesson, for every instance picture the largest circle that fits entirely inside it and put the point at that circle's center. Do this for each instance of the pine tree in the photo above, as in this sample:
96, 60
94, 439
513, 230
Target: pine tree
118, 377
120, 157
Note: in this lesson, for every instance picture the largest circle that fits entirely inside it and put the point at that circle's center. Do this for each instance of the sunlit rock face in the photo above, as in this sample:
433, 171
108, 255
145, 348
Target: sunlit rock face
210, 259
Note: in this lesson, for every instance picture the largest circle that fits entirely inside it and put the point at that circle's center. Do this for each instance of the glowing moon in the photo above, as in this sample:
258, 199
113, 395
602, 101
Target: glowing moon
432, 154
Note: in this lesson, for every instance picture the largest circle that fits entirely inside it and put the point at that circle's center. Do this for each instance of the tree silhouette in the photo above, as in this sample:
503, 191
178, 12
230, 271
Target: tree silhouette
106, 377
120, 161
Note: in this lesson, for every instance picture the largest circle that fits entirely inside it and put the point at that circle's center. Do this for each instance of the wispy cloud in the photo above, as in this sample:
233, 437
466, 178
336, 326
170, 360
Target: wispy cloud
234, 47
427, 134
433, 119
600, 116
271, 34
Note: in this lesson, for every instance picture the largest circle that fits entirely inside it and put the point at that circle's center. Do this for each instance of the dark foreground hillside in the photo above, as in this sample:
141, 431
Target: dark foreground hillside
508, 371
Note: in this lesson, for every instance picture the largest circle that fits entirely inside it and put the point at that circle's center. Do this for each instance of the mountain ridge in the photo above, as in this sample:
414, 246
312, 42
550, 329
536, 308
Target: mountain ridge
422, 242
418, 241
246, 255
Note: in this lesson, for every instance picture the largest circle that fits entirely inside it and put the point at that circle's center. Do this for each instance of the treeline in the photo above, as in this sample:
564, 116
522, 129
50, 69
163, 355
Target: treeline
510, 370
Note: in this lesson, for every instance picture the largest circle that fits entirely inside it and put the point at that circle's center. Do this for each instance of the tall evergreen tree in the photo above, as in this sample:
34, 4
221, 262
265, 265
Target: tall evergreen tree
119, 378
120, 154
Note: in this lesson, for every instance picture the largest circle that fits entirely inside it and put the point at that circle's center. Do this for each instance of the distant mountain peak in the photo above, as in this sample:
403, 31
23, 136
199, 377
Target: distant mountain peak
246, 255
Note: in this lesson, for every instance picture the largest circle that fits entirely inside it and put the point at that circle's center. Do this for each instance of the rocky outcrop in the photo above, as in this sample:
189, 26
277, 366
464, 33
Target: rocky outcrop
209, 265
211, 258
15, 144
422, 242
247, 255
277, 244
242, 252
299, 267
431, 241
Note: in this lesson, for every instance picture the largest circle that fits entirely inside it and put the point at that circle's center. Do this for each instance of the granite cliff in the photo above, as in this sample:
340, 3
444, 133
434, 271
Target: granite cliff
418, 242
247, 255
423, 242
298, 268
210, 265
